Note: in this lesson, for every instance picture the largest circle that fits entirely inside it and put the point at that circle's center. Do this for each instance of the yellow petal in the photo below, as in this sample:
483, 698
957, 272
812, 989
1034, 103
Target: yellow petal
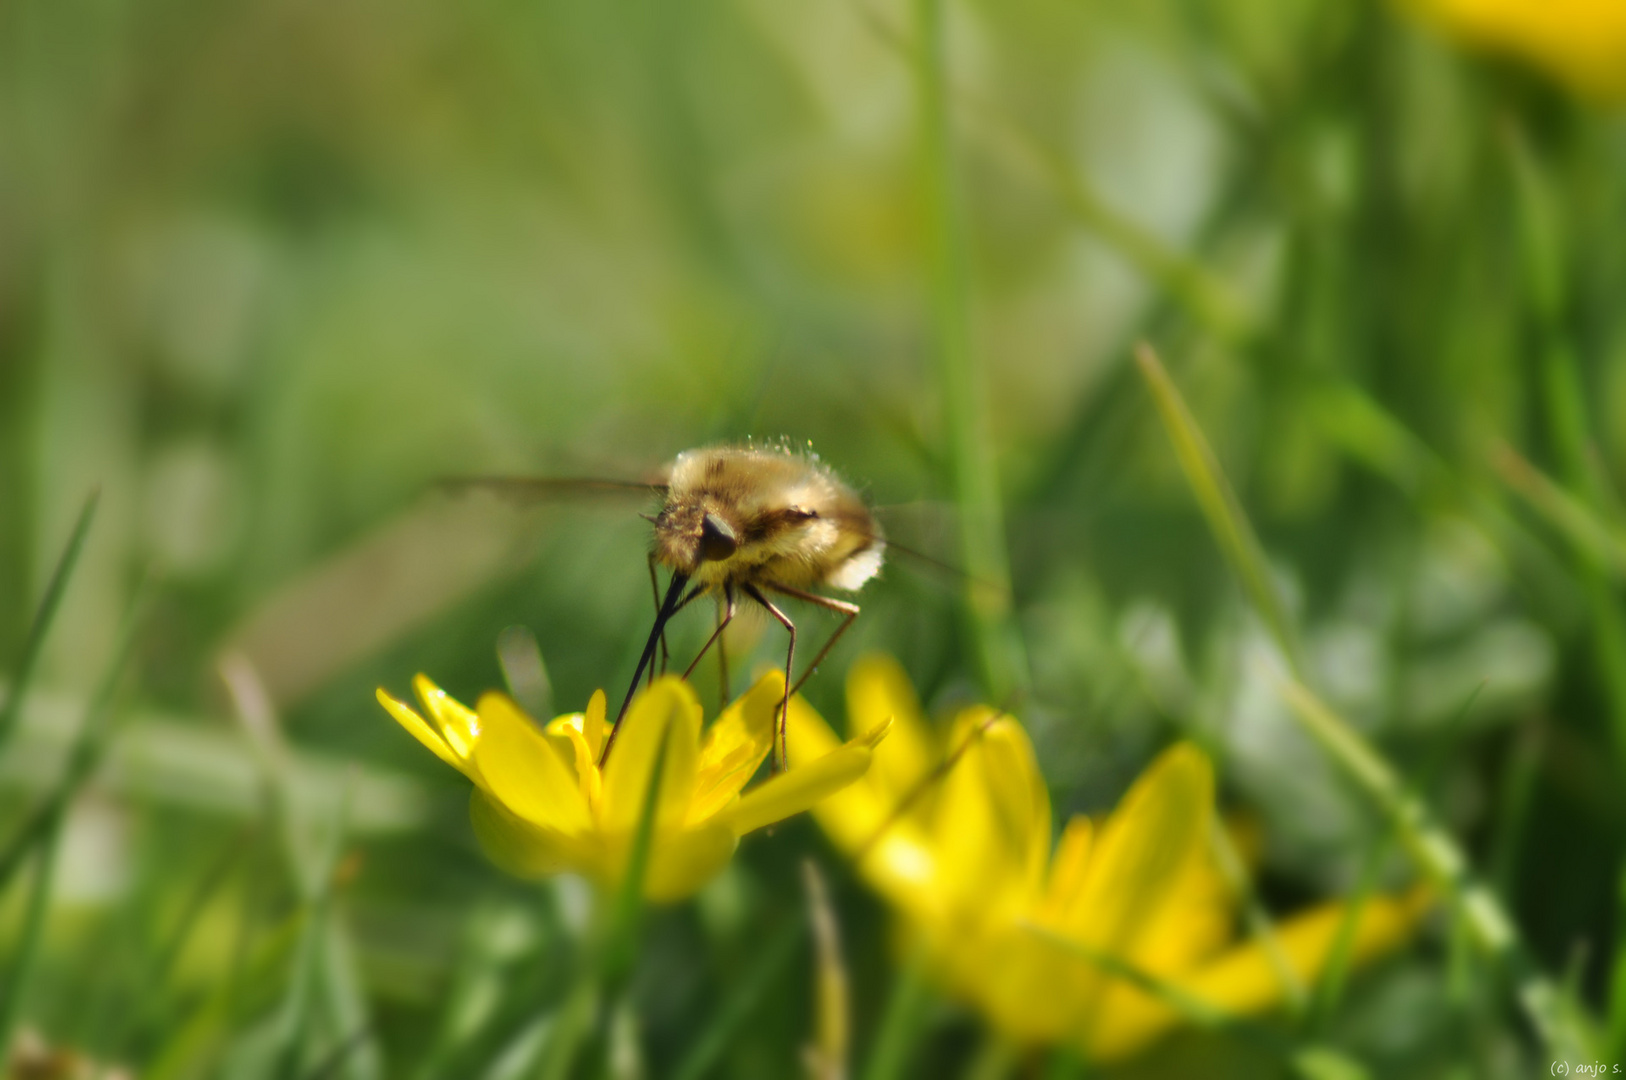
522, 771
1244, 979
1068, 868
685, 860
588, 778
458, 726
1580, 41
794, 791
853, 817
735, 745
516, 845
1142, 853
1019, 795
807, 736
1022, 982
1196, 922
593, 724
667, 706
1143, 849
992, 827
903, 866
408, 718
878, 689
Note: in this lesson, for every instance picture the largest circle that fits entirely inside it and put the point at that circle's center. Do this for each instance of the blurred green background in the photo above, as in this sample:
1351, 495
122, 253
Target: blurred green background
268, 269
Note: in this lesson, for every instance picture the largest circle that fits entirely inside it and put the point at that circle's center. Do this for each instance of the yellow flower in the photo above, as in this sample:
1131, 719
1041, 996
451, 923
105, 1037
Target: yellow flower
967, 860
543, 802
1582, 42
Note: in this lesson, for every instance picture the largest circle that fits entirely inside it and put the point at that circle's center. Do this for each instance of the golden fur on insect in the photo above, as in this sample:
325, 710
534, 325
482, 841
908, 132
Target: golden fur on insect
741, 514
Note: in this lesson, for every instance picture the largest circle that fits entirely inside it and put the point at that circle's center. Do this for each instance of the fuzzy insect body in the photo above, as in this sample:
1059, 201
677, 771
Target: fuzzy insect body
747, 515
742, 522
747, 521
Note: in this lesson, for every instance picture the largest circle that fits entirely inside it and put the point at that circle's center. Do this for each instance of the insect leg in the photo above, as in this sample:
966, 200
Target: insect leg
722, 651
655, 594
790, 656
840, 607
669, 607
716, 635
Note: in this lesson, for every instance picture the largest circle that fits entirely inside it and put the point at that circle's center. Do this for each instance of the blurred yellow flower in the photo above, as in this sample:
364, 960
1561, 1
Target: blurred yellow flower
967, 861
1582, 42
543, 802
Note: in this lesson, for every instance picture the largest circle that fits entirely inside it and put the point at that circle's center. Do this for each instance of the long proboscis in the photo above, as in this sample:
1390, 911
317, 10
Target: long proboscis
669, 607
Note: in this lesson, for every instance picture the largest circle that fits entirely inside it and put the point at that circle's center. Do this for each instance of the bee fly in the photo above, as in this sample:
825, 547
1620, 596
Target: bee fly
742, 522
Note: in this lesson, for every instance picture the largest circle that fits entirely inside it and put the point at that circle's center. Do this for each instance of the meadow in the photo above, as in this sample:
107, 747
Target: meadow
1241, 390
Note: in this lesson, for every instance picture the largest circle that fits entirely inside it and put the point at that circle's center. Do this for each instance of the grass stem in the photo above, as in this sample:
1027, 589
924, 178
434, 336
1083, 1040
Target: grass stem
995, 640
44, 616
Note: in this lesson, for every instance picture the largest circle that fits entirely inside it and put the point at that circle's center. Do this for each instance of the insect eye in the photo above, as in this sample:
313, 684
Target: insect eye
718, 541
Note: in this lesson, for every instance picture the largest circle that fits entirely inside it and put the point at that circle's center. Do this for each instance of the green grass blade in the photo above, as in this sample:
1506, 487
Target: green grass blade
1609, 654
1308, 1062
1241, 547
140, 1020
1592, 538
1260, 924
295, 1015
33, 828
1541, 239
826, 1058
1567, 420
323, 984
626, 915
1335, 971
1515, 797
1321, 1063
1615, 1034
998, 646
357, 1054
750, 991
44, 616
337, 1059
1219, 504
1442, 861
1590, 523
308, 988
1329, 987
571, 1025
1194, 1010
1544, 244
1431, 846
471, 1005
1064, 1063
191, 1042
1599, 551
1371, 435
996, 1058
84, 756
257, 718
901, 1022
614, 954
14, 983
